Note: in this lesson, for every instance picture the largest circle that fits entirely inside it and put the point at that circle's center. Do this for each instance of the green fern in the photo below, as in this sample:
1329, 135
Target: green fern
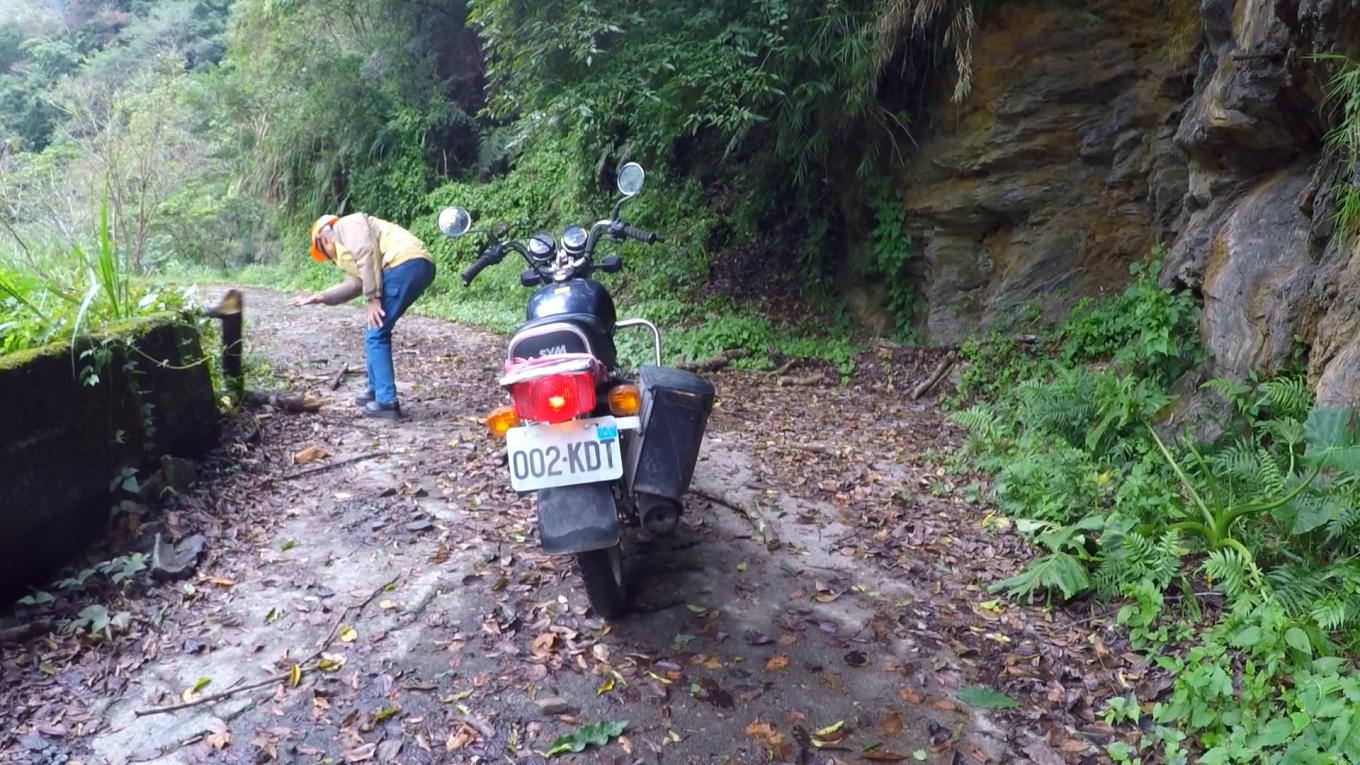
1273, 480
1346, 522
1233, 572
1240, 462
1237, 393
1063, 407
1297, 587
1333, 611
980, 420
1130, 558
1289, 396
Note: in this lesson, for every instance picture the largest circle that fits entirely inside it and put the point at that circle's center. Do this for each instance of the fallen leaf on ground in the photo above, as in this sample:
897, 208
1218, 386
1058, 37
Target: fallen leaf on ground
218, 737
348, 634
882, 755
985, 698
460, 737
890, 724
777, 662
310, 454
361, 753
764, 733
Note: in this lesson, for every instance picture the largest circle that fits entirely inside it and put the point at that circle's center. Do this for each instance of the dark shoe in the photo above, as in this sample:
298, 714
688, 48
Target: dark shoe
382, 411
362, 401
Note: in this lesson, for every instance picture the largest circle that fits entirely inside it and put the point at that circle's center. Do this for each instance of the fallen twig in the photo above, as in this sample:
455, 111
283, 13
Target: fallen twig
941, 370
22, 632
327, 468
786, 366
340, 376
307, 665
714, 363
812, 379
762, 530
726, 500
814, 448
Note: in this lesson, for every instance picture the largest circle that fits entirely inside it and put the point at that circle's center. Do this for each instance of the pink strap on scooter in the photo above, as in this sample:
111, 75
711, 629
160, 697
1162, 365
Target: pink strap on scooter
522, 370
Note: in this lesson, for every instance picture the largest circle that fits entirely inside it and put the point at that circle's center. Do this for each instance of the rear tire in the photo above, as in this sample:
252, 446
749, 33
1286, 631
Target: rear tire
602, 573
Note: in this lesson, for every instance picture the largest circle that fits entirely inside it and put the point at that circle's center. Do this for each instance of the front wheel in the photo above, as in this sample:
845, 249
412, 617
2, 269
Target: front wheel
602, 572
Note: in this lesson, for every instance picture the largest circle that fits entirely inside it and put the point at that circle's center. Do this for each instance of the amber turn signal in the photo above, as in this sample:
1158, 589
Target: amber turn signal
625, 400
501, 420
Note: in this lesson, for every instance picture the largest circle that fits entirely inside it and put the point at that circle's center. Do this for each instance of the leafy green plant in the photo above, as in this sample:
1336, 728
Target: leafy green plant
596, 734
1256, 690
1343, 98
1063, 568
1332, 443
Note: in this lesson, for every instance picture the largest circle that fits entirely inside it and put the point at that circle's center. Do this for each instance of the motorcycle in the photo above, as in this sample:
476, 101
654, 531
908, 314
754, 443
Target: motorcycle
600, 450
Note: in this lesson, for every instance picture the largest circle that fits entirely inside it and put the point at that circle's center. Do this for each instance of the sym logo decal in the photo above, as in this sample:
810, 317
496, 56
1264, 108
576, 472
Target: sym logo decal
556, 350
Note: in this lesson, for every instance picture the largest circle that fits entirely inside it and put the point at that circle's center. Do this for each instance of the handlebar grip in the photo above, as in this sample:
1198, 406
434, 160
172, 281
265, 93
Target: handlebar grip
487, 259
637, 234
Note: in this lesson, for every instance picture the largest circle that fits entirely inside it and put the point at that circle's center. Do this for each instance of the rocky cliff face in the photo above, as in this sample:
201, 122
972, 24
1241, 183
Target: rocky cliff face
1097, 131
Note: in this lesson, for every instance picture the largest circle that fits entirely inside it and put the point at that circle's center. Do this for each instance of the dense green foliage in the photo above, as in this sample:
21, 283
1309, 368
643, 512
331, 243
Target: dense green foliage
1265, 513
1343, 96
83, 289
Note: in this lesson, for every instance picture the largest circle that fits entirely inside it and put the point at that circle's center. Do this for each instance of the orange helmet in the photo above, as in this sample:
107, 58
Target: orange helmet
321, 223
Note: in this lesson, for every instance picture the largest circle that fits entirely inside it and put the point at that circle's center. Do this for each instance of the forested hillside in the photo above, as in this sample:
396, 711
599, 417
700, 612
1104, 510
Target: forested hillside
771, 131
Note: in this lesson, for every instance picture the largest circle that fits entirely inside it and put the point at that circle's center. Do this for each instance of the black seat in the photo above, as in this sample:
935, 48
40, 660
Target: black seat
600, 336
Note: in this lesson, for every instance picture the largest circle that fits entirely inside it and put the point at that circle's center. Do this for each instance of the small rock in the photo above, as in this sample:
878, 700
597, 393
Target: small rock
388, 750
552, 705
756, 637
376, 525
150, 488
423, 525
179, 473
175, 561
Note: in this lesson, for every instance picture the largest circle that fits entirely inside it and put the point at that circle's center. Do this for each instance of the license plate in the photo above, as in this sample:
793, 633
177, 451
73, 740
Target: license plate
580, 451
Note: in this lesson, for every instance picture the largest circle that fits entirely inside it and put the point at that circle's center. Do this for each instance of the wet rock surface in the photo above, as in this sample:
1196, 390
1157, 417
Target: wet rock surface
1093, 134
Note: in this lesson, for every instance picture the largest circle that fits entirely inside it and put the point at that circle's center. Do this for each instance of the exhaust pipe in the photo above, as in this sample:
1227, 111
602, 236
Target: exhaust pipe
660, 516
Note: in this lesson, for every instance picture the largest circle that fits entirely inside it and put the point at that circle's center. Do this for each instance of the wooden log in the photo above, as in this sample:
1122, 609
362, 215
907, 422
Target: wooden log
936, 376
284, 402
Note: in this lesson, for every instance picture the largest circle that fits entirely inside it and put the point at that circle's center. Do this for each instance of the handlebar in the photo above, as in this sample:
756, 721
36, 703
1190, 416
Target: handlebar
495, 252
489, 258
621, 230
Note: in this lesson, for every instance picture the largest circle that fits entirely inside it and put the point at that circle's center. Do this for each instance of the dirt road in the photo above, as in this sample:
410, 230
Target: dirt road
826, 578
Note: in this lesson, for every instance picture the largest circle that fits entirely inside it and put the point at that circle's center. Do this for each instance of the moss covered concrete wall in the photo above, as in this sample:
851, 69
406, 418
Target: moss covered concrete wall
63, 440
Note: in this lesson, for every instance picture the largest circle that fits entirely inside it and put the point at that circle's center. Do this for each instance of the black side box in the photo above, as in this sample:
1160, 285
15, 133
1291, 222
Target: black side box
675, 409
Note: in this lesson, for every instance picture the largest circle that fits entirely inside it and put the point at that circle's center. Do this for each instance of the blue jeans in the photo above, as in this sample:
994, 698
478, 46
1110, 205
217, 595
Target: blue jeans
401, 286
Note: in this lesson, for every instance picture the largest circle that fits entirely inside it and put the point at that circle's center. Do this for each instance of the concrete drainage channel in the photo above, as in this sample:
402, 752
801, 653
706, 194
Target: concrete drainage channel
107, 421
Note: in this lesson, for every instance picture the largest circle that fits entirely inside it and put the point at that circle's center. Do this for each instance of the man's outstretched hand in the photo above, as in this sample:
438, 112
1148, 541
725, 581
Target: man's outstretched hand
375, 314
305, 299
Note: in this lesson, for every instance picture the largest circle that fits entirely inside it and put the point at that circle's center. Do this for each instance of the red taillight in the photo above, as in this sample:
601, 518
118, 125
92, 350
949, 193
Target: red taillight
555, 398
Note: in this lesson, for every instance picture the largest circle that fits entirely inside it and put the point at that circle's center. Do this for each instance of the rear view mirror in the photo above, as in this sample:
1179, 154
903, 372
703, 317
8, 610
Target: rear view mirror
630, 179
454, 221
